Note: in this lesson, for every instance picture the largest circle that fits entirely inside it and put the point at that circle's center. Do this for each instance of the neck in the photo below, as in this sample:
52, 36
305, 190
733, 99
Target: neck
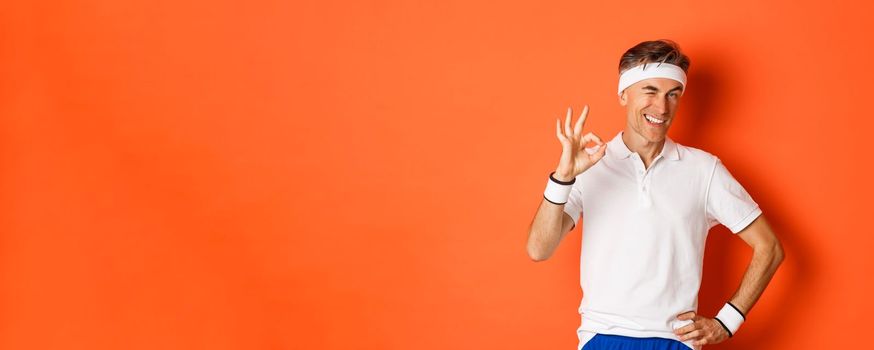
646, 149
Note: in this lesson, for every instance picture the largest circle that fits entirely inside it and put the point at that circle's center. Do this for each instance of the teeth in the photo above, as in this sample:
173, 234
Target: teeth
653, 120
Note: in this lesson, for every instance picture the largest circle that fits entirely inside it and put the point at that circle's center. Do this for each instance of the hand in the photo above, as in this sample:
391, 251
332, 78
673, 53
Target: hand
574, 158
703, 330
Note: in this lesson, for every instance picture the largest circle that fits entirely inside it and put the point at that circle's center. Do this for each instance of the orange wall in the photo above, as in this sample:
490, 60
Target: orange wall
339, 175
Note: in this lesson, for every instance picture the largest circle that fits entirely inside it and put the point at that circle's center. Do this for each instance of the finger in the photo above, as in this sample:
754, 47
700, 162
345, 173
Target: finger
687, 315
567, 124
558, 129
583, 116
595, 138
578, 127
590, 137
595, 157
696, 334
584, 141
685, 329
601, 152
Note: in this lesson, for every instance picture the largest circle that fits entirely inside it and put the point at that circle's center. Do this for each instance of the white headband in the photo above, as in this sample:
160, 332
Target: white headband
653, 70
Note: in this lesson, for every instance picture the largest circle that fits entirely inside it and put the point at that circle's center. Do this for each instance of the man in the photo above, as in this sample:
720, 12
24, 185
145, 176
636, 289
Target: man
648, 204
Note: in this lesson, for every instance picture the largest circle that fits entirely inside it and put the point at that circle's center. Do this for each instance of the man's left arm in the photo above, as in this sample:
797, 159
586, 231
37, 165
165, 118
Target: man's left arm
767, 256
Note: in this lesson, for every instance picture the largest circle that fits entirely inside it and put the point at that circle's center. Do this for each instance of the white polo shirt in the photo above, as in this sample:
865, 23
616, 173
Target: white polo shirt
644, 233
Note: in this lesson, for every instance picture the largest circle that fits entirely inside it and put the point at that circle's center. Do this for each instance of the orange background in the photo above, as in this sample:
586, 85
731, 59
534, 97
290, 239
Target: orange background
339, 175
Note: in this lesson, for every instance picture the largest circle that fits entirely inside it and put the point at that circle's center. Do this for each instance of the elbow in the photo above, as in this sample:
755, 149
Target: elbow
770, 253
775, 253
536, 256
536, 253
779, 254
770, 249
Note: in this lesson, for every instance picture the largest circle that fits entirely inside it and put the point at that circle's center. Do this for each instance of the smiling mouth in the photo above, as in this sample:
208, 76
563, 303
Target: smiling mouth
653, 120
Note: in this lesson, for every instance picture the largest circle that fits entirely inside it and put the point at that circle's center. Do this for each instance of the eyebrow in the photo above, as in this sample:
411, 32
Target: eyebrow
653, 88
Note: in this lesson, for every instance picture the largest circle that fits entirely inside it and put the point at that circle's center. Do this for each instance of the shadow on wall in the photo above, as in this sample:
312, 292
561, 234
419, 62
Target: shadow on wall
761, 328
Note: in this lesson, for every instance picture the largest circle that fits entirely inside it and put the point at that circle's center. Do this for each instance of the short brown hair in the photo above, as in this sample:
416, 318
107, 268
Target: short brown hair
662, 50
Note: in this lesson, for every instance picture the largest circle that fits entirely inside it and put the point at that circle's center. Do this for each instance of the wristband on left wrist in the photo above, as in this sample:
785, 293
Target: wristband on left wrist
730, 318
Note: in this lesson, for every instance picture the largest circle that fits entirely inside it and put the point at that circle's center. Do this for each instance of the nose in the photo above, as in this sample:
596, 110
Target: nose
660, 105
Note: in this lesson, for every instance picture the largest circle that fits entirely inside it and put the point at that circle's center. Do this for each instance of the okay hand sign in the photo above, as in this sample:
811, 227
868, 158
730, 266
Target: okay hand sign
574, 158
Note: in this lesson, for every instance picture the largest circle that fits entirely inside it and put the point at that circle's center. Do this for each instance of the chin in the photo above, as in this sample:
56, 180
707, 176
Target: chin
656, 137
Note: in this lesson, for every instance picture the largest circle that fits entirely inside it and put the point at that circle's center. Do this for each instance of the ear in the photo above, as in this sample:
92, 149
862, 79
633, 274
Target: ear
623, 98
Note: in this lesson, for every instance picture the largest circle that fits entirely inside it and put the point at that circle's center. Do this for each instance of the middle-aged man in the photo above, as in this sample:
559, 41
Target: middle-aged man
648, 204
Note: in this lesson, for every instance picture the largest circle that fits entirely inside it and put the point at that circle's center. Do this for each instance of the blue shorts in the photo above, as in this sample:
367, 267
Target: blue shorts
621, 342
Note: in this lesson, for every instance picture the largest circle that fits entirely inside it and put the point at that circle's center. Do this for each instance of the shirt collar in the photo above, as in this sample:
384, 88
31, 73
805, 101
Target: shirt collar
619, 150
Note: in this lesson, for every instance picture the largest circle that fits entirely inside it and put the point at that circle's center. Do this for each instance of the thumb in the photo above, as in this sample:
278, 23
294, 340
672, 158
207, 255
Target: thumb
602, 149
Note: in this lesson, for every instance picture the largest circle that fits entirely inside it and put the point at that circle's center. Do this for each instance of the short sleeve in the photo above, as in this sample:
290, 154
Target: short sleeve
728, 203
574, 205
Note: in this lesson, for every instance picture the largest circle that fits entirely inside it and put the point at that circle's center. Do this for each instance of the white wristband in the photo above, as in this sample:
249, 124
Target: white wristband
730, 318
557, 192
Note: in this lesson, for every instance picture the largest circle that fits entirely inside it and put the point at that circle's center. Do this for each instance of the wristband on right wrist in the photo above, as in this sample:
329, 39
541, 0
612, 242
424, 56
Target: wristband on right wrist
557, 191
730, 317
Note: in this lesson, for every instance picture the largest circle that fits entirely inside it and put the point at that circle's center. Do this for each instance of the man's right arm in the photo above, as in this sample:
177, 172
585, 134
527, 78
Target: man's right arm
551, 223
549, 226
